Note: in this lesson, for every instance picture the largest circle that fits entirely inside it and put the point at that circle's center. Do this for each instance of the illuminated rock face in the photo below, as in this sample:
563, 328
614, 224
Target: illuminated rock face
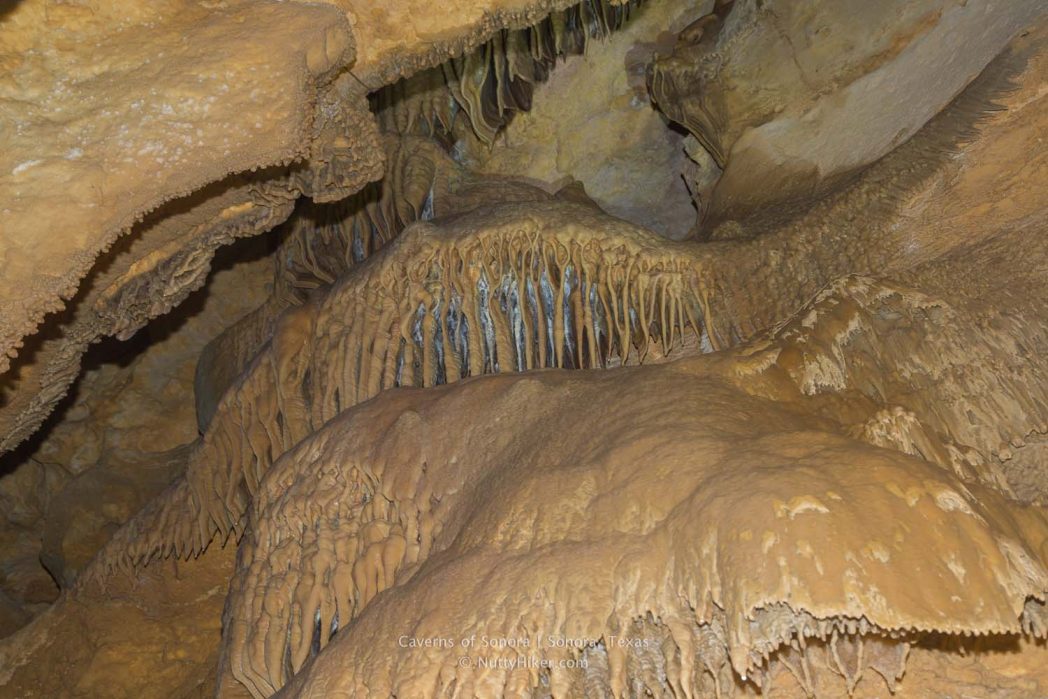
471, 422
789, 97
680, 499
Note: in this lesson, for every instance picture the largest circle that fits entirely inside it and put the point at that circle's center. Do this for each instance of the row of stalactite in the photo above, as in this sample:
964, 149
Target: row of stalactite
491, 83
433, 308
487, 85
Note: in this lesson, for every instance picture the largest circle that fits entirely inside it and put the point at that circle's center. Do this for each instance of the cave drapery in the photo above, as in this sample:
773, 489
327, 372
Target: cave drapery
512, 348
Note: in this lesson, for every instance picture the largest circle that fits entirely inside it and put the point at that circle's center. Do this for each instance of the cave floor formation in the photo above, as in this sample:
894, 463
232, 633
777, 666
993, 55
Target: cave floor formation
502, 348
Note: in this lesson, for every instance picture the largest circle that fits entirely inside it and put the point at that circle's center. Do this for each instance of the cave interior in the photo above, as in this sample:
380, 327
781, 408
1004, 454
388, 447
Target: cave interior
506, 348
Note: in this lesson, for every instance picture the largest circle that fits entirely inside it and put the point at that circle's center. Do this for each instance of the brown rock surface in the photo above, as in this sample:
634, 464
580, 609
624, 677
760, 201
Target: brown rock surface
321, 242
593, 122
396, 39
827, 478
274, 407
92, 120
266, 95
102, 93
503, 533
154, 636
119, 440
790, 96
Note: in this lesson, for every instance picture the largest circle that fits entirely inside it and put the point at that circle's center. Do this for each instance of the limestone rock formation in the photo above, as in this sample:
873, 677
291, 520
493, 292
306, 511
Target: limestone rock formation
597, 348
121, 438
488, 542
593, 121
788, 97
154, 636
589, 473
91, 121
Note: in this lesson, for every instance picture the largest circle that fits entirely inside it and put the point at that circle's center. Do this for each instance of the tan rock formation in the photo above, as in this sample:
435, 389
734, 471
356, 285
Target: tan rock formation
279, 124
120, 440
503, 534
593, 121
800, 454
99, 107
789, 97
324, 241
154, 636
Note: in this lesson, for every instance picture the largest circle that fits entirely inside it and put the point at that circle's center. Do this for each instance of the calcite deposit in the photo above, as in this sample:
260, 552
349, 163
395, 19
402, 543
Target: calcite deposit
831, 87
499, 348
482, 536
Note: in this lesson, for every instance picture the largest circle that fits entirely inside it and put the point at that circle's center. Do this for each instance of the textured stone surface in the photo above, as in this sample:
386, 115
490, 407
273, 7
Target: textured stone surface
593, 121
118, 113
872, 390
119, 440
790, 96
562, 526
156, 636
206, 130
266, 95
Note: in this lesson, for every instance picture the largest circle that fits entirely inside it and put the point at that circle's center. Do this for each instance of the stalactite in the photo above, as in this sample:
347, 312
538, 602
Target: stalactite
604, 290
390, 322
796, 576
495, 80
323, 241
